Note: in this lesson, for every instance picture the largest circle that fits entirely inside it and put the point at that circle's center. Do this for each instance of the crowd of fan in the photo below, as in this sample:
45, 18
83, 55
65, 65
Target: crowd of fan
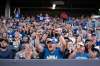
46, 37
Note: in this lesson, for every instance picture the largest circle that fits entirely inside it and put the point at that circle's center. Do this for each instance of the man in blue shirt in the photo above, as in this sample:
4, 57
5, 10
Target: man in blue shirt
5, 50
51, 51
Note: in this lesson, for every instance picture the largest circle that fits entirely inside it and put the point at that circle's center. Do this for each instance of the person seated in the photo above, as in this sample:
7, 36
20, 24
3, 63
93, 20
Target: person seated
25, 53
5, 50
81, 54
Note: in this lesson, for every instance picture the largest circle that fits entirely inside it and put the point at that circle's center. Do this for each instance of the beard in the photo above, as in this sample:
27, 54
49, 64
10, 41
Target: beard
4, 47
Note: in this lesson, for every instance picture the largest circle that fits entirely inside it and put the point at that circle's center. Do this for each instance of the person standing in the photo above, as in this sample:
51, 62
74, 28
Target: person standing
17, 14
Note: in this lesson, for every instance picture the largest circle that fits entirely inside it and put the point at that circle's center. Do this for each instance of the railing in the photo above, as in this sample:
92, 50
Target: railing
49, 62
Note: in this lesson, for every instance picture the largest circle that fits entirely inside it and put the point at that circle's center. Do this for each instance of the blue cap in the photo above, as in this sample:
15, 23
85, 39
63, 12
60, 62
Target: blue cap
52, 41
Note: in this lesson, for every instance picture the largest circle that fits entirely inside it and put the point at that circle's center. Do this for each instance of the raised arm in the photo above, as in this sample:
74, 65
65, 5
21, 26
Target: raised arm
37, 43
63, 43
61, 40
15, 11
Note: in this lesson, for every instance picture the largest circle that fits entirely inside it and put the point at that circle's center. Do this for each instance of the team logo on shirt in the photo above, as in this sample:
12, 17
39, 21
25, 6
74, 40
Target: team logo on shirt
51, 57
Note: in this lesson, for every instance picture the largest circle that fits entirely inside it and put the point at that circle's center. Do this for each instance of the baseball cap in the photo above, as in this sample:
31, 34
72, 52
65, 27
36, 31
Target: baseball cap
49, 40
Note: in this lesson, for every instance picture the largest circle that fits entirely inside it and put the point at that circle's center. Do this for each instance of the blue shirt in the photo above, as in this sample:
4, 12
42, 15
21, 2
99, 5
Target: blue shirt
8, 54
84, 24
82, 56
57, 54
17, 15
70, 20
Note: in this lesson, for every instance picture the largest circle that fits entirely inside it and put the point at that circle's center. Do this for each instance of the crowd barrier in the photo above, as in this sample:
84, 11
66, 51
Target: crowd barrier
49, 62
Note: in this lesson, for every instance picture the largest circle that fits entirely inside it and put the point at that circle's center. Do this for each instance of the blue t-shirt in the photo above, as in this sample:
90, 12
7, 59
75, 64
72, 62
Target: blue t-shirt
82, 56
57, 54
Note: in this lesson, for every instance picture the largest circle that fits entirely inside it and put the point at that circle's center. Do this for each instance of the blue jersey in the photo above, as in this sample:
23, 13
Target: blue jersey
57, 54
